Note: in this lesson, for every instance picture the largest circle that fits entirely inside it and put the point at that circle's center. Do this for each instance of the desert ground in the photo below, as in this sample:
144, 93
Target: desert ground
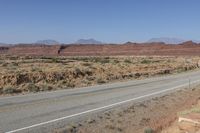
22, 74
155, 115
30, 74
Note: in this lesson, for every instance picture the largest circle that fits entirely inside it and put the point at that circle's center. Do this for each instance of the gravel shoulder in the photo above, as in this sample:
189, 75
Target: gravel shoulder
155, 114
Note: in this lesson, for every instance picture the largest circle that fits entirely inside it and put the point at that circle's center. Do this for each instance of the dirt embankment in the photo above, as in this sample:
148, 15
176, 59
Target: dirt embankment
23, 74
149, 116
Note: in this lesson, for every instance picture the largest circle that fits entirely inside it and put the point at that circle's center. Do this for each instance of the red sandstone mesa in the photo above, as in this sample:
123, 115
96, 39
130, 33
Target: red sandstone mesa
187, 48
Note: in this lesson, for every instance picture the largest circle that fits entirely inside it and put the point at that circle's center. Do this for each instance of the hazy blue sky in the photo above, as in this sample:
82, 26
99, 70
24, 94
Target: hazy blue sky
104, 20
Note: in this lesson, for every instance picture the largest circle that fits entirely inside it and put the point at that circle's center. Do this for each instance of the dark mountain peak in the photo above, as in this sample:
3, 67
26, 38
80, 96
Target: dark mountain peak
129, 42
166, 40
87, 41
188, 43
156, 43
47, 42
2, 44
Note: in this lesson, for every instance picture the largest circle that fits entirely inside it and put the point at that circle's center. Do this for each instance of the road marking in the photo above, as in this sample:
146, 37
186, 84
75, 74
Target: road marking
100, 108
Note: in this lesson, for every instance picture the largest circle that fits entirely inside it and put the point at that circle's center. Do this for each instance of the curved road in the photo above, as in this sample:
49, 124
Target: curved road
45, 111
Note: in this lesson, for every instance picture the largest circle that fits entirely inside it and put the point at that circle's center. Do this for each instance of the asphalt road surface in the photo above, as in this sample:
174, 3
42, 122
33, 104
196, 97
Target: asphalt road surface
44, 111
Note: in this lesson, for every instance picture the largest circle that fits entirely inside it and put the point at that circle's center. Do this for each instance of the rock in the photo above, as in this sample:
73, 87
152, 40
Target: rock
189, 122
187, 127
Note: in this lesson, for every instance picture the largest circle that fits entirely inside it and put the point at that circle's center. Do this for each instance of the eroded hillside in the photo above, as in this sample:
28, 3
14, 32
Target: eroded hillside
185, 49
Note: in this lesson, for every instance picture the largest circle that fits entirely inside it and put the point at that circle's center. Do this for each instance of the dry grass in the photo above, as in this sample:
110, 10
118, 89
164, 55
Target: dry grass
50, 73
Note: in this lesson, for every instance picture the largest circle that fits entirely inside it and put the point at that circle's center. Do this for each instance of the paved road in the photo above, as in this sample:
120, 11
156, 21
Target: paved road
33, 112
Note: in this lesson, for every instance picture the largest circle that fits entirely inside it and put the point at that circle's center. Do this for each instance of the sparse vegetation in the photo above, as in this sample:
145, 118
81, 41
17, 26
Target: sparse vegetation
127, 61
33, 74
30, 87
45, 87
100, 81
116, 61
145, 61
87, 64
54, 60
148, 130
10, 90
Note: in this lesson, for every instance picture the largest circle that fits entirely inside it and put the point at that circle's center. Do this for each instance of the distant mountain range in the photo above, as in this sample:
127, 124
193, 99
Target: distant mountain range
167, 40
87, 41
47, 42
3, 44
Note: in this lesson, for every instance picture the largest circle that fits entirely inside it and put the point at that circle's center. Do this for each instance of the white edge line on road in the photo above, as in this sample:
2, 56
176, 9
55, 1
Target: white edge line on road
100, 108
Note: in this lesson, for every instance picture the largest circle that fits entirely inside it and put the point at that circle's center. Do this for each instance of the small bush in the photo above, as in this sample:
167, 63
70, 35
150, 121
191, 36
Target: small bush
10, 90
90, 78
1, 62
1, 88
45, 87
30, 87
4, 65
78, 72
85, 59
54, 60
13, 58
148, 130
127, 61
137, 75
87, 72
87, 64
145, 62
100, 81
15, 64
34, 69
101, 60
70, 84
104, 61
116, 61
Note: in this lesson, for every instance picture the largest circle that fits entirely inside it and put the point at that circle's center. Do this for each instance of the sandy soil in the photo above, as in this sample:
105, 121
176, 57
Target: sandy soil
189, 125
155, 114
